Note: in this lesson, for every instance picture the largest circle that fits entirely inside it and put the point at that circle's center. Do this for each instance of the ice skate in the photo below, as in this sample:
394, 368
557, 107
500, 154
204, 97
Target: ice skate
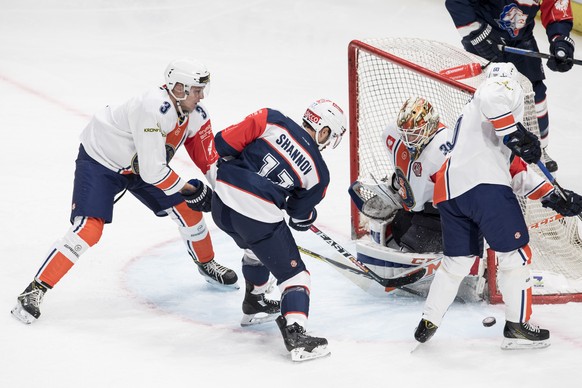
550, 163
524, 336
218, 275
424, 331
27, 307
258, 309
302, 346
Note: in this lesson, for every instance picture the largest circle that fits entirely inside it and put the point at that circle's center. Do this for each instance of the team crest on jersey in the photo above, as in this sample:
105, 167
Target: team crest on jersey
417, 168
405, 190
517, 235
390, 142
512, 19
562, 6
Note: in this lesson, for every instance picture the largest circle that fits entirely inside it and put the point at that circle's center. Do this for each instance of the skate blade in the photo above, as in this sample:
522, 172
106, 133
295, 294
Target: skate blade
257, 319
300, 354
22, 315
520, 344
221, 286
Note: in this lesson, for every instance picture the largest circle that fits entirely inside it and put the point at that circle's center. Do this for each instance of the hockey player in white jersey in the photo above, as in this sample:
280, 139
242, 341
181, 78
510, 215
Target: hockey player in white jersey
128, 148
404, 225
474, 195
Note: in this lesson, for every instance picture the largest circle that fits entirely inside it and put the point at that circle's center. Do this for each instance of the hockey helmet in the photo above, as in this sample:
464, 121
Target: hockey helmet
501, 69
188, 72
325, 113
417, 123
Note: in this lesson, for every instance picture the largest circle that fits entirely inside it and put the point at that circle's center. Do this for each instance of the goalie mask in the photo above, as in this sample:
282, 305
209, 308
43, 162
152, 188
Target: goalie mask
417, 123
325, 113
188, 72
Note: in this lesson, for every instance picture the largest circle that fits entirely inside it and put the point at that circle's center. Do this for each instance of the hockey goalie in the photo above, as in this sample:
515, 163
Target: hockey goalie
404, 226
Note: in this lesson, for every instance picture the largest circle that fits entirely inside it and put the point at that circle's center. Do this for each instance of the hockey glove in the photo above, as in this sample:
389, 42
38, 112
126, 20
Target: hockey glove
524, 144
562, 50
485, 42
568, 207
201, 198
303, 225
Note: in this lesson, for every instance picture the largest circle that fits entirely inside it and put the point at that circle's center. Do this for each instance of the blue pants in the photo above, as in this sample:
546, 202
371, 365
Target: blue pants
273, 244
96, 186
489, 211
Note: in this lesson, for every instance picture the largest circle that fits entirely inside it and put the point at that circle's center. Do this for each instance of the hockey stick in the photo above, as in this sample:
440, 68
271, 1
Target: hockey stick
343, 267
389, 282
529, 53
554, 182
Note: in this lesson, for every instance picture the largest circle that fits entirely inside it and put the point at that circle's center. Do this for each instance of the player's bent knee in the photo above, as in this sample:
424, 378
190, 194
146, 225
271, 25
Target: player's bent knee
302, 279
87, 229
514, 259
459, 266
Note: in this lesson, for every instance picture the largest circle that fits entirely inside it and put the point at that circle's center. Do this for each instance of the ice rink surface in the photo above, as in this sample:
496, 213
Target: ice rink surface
133, 312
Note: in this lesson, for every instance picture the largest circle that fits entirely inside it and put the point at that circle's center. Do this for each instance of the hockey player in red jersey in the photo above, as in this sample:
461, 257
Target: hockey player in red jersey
128, 147
484, 25
474, 195
270, 164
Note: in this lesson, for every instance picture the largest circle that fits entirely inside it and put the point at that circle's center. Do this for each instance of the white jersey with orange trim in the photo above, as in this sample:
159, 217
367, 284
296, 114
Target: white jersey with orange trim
526, 182
148, 125
416, 176
478, 155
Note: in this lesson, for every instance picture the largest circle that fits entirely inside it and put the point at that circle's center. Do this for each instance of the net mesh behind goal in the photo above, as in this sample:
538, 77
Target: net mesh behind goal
383, 73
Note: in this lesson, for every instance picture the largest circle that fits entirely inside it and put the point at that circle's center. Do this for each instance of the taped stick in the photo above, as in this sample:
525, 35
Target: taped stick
554, 182
343, 267
530, 53
395, 282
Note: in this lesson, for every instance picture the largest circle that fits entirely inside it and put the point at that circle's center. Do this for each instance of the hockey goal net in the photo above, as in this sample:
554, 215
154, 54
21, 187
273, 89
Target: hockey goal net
383, 73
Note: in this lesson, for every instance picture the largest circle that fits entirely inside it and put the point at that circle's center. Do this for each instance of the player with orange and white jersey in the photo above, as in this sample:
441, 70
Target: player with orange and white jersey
476, 200
128, 147
417, 145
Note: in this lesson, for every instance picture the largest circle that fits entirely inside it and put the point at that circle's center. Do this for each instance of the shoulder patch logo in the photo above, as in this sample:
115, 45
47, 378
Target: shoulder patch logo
390, 142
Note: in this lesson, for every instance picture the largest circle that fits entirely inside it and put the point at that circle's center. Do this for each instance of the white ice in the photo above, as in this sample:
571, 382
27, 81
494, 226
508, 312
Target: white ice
133, 312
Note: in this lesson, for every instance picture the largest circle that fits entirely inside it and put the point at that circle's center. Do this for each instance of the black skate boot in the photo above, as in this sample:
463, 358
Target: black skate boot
217, 274
524, 336
302, 346
258, 309
550, 163
27, 307
424, 331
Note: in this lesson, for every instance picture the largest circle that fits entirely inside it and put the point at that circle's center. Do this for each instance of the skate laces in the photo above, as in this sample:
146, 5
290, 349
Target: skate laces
33, 297
530, 327
212, 267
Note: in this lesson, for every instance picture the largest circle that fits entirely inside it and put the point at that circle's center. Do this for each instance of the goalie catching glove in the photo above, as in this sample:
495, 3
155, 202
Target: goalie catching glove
524, 144
200, 199
569, 206
303, 225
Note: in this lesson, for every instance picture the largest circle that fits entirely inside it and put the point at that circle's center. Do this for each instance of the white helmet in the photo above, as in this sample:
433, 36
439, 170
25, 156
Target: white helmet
417, 123
501, 69
325, 113
188, 72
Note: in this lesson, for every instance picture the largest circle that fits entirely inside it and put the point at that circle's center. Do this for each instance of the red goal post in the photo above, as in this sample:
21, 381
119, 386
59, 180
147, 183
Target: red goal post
382, 74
